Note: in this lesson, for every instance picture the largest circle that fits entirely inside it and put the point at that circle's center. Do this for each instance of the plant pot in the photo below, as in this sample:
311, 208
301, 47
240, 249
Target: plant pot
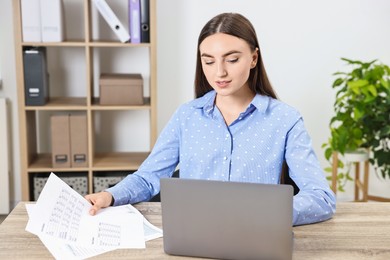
360, 155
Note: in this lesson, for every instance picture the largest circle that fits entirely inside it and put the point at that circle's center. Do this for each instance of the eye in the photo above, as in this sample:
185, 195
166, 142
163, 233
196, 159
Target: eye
208, 62
233, 60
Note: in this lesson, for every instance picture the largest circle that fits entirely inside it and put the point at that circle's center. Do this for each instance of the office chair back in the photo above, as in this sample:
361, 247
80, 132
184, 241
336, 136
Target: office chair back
284, 179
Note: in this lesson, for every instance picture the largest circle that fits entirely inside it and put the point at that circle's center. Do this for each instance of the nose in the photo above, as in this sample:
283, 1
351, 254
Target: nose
221, 70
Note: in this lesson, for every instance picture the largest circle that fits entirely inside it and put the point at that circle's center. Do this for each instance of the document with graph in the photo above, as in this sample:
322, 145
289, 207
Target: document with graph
61, 220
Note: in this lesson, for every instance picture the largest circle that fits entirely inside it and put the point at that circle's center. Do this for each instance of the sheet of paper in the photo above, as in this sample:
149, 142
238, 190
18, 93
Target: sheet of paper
150, 231
61, 216
61, 250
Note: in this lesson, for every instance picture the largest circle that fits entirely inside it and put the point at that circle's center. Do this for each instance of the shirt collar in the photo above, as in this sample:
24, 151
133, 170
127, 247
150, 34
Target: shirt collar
206, 102
260, 102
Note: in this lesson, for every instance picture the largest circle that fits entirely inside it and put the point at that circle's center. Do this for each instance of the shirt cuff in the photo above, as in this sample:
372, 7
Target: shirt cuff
117, 199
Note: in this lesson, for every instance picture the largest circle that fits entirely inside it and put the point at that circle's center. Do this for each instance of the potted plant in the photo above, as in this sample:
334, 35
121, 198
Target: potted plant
362, 117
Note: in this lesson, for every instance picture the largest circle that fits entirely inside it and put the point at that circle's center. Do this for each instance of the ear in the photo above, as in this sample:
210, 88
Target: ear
255, 56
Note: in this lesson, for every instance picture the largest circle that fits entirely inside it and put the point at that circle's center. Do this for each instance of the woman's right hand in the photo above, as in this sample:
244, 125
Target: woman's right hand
99, 200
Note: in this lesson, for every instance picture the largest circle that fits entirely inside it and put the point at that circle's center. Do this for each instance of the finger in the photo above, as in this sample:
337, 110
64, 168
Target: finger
93, 210
88, 198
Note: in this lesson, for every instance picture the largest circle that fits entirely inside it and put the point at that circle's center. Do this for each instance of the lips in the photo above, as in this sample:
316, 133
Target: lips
222, 83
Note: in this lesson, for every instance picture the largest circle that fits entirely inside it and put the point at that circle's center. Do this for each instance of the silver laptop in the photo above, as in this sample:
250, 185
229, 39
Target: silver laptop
227, 220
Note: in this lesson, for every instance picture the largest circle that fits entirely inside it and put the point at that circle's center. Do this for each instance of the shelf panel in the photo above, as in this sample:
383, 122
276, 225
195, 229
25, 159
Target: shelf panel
81, 43
42, 163
75, 43
97, 106
113, 161
62, 103
116, 44
118, 161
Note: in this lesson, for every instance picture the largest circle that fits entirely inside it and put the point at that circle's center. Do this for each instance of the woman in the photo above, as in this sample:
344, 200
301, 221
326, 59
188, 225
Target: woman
235, 130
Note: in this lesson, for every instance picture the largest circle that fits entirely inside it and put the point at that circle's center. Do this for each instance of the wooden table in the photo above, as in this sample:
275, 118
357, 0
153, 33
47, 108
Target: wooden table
357, 231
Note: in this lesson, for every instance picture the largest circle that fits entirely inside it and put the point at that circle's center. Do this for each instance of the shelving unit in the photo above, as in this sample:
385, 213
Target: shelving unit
32, 159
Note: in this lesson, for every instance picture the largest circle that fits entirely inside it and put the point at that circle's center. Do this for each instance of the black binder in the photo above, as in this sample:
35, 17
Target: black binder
145, 25
36, 79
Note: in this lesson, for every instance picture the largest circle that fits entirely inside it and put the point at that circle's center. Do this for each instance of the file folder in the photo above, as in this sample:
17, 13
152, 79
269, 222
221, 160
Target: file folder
60, 141
145, 24
52, 21
31, 20
78, 141
135, 21
112, 20
36, 78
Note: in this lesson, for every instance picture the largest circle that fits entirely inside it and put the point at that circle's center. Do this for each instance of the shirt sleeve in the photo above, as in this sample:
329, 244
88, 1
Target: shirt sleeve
315, 201
162, 161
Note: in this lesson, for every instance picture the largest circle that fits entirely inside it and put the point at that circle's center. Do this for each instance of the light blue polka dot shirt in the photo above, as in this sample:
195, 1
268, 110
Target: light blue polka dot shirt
250, 149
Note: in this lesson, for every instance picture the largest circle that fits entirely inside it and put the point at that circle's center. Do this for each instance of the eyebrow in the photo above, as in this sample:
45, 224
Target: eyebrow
224, 55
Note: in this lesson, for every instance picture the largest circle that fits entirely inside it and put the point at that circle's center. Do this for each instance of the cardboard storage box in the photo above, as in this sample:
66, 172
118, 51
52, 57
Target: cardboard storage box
69, 139
78, 141
121, 89
60, 141
78, 183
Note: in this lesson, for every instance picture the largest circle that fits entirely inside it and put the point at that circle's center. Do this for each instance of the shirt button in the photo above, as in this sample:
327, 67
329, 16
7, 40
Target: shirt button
225, 158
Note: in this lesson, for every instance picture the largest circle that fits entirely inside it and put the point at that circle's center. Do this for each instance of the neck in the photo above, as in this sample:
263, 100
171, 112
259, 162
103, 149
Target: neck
239, 100
232, 106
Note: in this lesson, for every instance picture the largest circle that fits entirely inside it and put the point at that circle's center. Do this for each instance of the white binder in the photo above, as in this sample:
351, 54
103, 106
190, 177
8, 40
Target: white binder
31, 20
52, 21
112, 20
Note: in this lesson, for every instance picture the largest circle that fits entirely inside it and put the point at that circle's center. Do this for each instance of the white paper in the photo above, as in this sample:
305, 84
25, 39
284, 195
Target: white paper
61, 250
62, 221
150, 231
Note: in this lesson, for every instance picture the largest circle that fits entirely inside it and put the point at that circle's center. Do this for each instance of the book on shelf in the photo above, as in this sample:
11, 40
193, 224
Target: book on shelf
112, 20
135, 21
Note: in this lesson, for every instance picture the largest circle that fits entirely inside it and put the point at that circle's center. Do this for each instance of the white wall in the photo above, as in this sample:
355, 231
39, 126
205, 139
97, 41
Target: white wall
8, 90
301, 43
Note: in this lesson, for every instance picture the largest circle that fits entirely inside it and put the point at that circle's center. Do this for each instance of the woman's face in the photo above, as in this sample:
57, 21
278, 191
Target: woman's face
226, 63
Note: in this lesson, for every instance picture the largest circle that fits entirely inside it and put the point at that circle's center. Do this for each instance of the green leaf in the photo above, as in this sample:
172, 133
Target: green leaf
357, 133
385, 131
357, 73
340, 99
328, 169
341, 164
338, 82
385, 83
352, 61
340, 73
328, 153
357, 113
372, 89
358, 83
349, 177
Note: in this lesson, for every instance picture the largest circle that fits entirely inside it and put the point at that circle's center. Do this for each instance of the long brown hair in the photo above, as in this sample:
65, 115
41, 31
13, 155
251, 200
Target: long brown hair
236, 25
